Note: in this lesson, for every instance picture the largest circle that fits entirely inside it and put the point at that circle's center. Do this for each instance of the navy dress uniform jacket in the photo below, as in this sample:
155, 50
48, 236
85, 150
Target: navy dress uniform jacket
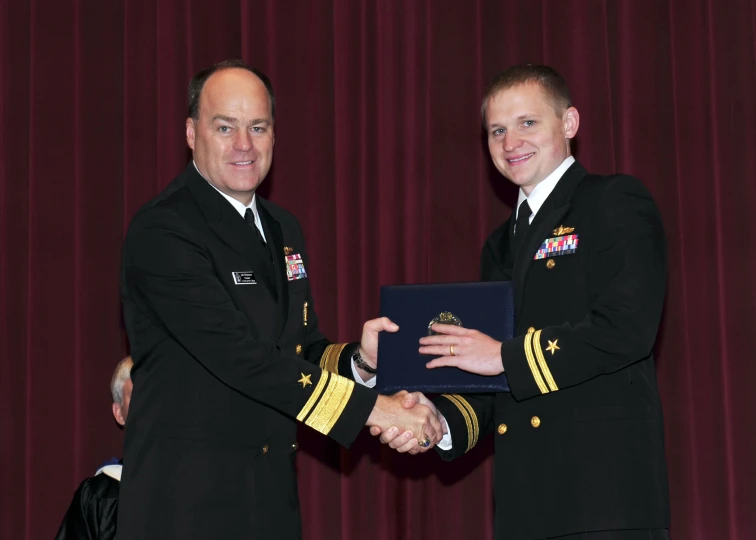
224, 368
579, 442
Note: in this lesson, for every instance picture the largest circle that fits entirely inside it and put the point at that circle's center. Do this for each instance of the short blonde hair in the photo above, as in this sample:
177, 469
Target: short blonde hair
551, 82
121, 374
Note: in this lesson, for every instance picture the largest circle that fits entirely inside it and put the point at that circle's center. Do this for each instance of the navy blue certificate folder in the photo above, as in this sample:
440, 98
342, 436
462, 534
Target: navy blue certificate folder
484, 306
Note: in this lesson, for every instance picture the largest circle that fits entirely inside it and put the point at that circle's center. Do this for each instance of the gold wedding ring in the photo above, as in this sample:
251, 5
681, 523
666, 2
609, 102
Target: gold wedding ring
451, 350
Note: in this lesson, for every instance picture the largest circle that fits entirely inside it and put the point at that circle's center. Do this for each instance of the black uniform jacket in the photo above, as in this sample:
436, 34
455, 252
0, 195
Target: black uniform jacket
227, 357
579, 440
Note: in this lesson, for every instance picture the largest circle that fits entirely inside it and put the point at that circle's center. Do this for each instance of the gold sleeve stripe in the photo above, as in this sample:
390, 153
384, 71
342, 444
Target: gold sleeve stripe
328, 410
542, 362
330, 359
471, 419
466, 416
314, 396
532, 363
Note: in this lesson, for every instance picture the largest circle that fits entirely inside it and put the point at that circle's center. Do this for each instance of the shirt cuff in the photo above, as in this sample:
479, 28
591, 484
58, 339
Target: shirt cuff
446, 441
358, 379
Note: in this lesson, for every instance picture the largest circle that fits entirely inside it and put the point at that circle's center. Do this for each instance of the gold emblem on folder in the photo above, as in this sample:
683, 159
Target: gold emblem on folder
559, 231
445, 317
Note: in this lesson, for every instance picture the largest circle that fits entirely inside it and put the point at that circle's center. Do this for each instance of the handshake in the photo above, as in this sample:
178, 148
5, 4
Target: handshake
407, 422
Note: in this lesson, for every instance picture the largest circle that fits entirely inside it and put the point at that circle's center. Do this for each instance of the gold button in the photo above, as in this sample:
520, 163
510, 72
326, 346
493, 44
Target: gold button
535, 421
531, 330
502, 429
550, 263
294, 446
265, 449
299, 349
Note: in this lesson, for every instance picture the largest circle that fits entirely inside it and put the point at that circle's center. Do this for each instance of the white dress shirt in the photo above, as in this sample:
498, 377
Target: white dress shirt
239, 206
544, 188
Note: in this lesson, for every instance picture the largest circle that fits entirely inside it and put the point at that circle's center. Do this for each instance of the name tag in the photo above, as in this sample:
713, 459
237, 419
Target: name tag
244, 278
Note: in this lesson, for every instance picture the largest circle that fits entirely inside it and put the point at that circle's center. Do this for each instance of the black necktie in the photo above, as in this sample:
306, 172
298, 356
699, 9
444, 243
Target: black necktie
249, 217
522, 224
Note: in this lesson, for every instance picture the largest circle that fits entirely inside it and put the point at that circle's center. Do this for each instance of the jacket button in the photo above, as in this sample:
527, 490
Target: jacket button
299, 349
294, 446
502, 429
535, 421
550, 263
265, 449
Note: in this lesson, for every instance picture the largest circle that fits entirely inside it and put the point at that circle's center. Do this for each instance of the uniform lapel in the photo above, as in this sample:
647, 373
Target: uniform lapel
549, 216
231, 228
274, 234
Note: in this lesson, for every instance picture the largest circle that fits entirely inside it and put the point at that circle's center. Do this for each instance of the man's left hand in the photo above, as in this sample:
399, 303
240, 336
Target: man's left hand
463, 348
369, 342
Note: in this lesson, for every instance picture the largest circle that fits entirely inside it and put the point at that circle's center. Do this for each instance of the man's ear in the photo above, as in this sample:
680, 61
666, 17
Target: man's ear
190, 132
571, 122
118, 414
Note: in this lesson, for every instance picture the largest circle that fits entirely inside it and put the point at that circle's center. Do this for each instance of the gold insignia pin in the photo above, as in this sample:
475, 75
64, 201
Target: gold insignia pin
552, 348
304, 314
305, 380
288, 250
559, 231
551, 263
299, 349
445, 317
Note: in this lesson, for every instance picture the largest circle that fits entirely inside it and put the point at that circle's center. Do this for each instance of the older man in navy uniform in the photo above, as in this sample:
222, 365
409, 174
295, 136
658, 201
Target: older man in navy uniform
227, 351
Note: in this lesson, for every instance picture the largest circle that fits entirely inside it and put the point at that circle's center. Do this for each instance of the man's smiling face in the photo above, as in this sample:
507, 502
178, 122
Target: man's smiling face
527, 137
232, 138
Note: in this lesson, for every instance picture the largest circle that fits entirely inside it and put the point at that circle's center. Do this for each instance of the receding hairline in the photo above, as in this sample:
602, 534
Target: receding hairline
243, 70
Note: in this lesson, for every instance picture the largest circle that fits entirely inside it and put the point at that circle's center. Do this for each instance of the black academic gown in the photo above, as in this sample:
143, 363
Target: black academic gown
93, 512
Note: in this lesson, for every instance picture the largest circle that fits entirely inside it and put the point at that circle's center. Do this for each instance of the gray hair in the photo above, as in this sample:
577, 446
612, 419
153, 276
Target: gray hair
121, 374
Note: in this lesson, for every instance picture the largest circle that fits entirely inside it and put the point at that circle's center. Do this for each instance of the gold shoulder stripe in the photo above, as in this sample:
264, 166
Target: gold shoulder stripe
542, 362
468, 414
328, 410
330, 359
314, 396
532, 363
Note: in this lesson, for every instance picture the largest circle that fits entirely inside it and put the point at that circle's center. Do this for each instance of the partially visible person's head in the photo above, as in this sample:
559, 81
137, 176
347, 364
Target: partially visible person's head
529, 119
230, 127
120, 388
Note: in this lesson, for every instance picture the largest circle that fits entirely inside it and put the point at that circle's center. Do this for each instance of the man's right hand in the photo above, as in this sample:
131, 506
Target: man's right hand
401, 413
404, 441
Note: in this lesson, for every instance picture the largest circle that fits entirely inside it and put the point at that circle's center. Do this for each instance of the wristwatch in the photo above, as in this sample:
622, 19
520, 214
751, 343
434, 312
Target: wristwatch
360, 363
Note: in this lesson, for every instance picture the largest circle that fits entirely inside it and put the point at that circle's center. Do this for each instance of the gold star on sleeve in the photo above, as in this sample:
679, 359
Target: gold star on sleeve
305, 380
552, 348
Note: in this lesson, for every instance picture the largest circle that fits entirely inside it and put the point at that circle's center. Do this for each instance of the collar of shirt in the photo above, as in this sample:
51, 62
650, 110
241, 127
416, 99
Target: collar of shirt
542, 191
239, 206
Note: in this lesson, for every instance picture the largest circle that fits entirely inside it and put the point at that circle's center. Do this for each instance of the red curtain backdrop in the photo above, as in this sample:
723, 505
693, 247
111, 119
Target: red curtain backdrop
380, 153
